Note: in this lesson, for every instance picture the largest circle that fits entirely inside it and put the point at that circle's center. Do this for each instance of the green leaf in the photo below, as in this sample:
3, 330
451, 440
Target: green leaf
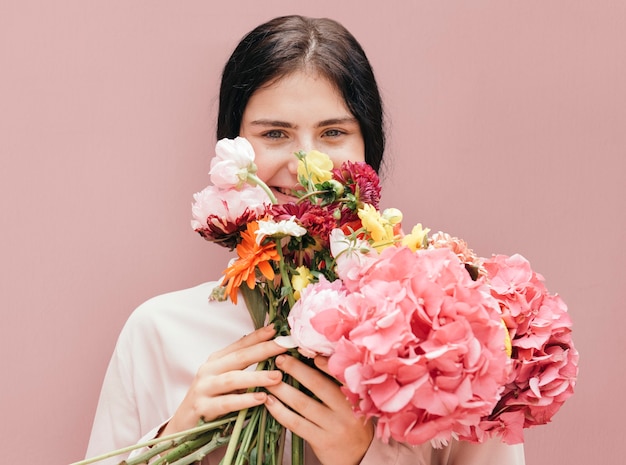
257, 306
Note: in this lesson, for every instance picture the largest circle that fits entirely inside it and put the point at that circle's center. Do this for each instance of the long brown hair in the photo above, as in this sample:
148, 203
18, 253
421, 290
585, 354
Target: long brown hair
290, 43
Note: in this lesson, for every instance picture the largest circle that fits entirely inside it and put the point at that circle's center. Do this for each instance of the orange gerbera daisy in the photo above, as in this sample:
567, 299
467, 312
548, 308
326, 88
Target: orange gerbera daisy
252, 255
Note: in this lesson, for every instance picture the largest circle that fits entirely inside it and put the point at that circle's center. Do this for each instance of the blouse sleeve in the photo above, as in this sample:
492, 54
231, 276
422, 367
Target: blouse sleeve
395, 453
116, 422
490, 452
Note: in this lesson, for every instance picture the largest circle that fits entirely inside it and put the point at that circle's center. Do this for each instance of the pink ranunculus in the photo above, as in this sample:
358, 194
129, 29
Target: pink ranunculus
233, 161
318, 318
544, 359
426, 354
219, 215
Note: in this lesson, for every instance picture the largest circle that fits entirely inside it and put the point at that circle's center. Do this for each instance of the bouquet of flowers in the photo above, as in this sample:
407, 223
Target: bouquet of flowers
425, 337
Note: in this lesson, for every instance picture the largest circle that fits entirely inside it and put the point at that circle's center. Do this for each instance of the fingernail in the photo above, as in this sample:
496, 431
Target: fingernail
280, 359
261, 396
271, 400
275, 375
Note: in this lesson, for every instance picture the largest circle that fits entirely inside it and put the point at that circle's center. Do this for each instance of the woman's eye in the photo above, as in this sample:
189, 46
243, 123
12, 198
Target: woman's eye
333, 133
274, 134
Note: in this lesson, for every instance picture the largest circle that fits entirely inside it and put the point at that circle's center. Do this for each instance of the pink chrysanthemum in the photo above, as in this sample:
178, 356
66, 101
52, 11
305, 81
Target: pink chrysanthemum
221, 215
545, 361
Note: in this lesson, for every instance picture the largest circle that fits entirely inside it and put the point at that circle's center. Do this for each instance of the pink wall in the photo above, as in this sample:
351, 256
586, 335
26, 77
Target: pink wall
508, 128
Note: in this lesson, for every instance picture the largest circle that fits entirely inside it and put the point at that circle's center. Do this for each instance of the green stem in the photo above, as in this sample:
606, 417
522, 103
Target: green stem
247, 436
203, 451
297, 443
198, 429
235, 435
152, 452
284, 276
297, 450
254, 180
188, 447
234, 438
261, 442
312, 194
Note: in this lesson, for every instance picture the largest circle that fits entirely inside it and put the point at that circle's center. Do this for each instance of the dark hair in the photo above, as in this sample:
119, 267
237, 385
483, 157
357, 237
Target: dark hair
290, 43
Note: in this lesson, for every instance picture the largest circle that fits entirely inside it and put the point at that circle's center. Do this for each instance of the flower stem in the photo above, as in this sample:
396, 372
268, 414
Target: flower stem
234, 442
170, 437
284, 276
234, 438
254, 180
261, 438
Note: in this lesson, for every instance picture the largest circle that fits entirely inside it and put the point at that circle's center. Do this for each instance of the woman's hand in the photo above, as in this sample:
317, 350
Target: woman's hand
329, 425
221, 382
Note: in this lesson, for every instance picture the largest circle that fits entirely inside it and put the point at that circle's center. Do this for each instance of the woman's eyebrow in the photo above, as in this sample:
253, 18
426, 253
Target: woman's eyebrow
271, 122
335, 121
321, 124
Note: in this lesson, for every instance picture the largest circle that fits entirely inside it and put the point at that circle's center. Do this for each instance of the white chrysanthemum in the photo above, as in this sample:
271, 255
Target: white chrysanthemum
281, 228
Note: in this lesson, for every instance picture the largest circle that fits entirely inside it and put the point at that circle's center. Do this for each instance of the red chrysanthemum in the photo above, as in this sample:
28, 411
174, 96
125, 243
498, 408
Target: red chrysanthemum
361, 179
318, 221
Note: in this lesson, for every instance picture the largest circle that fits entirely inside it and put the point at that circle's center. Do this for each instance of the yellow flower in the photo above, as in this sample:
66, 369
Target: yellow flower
393, 216
301, 280
508, 346
417, 239
379, 228
317, 166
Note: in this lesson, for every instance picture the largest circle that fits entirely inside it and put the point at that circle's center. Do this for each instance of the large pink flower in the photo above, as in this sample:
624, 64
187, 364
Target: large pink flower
545, 361
424, 353
220, 215
321, 307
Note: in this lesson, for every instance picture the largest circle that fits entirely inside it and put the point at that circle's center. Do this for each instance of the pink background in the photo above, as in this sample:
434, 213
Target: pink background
507, 128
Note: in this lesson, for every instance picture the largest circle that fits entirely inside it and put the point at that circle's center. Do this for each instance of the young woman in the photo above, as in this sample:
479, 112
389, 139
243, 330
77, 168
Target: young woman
291, 84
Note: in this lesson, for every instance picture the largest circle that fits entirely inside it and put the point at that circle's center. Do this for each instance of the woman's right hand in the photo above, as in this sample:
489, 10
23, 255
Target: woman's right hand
221, 382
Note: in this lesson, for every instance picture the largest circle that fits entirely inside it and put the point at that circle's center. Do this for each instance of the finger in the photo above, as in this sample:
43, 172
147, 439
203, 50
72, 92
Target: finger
259, 335
233, 381
240, 358
317, 382
291, 420
301, 404
321, 362
212, 408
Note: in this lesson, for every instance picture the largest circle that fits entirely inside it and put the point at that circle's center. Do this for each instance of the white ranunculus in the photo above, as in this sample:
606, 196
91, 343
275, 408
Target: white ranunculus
233, 161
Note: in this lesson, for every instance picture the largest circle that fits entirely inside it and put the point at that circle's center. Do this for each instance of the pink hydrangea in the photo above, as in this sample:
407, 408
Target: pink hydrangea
544, 359
424, 350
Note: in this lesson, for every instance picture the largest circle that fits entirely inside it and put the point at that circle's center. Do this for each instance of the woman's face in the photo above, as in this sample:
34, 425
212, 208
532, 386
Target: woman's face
301, 111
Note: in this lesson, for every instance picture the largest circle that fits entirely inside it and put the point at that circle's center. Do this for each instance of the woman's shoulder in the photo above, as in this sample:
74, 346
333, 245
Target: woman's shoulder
186, 314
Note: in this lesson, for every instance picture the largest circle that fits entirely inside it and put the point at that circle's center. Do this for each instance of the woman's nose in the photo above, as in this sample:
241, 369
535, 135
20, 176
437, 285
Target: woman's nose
306, 144
292, 165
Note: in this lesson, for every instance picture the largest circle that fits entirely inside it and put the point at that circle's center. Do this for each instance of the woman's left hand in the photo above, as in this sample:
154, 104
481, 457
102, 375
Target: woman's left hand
334, 432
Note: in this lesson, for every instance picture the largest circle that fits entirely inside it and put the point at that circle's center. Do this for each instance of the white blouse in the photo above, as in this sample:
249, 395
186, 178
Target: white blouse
158, 353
